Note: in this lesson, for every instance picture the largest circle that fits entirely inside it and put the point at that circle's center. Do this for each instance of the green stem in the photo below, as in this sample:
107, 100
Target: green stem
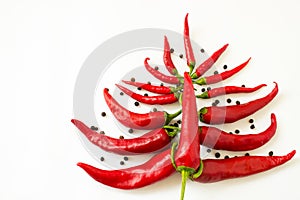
180, 98
174, 145
173, 89
200, 81
204, 95
202, 112
184, 176
199, 172
169, 117
194, 76
174, 131
172, 127
192, 65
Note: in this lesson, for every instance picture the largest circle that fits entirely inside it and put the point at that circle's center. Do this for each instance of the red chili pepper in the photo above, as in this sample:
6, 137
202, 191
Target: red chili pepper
145, 121
157, 168
220, 77
152, 100
149, 142
167, 58
160, 167
187, 156
160, 76
188, 46
152, 88
221, 169
229, 114
228, 90
207, 64
215, 138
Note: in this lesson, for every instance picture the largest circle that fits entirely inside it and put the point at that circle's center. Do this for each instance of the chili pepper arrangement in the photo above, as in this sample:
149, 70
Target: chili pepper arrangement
184, 156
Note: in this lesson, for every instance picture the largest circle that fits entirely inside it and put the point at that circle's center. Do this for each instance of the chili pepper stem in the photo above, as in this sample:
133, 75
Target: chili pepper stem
176, 89
192, 65
184, 176
199, 171
200, 81
174, 145
174, 131
169, 117
204, 95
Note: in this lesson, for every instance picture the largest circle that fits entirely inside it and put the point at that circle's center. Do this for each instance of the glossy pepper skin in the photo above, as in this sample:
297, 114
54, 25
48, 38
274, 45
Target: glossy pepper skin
216, 78
221, 169
160, 76
151, 100
160, 167
167, 58
228, 90
157, 168
187, 156
215, 138
190, 58
229, 114
149, 142
208, 63
151, 88
144, 121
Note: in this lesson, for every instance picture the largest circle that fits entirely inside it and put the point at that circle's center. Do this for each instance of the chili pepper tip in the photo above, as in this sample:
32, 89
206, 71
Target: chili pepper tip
291, 154
80, 164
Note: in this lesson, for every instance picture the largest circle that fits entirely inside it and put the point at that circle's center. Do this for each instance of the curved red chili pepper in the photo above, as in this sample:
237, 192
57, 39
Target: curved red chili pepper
187, 156
229, 114
221, 169
157, 168
151, 88
160, 167
190, 58
152, 100
133, 120
160, 76
220, 77
167, 58
215, 138
228, 90
149, 142
208, 63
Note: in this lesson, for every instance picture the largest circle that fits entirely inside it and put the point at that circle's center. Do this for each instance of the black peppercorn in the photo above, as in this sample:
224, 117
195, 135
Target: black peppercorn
94, 128
130, 130
217, 155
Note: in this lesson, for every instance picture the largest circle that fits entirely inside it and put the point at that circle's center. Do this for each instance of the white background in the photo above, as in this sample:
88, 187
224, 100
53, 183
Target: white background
43, 45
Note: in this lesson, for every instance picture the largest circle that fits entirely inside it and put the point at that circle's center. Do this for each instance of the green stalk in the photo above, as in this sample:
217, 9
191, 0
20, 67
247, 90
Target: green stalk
169, 117
201, 81
192, 65
204, 95
184, 176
